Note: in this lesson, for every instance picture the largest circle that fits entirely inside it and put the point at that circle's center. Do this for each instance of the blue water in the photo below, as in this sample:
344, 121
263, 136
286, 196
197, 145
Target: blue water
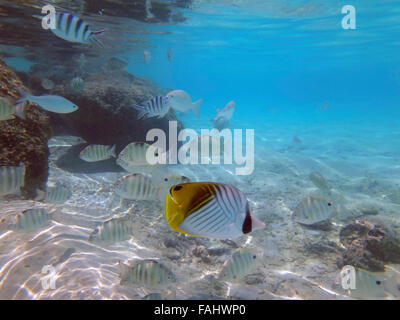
294, 73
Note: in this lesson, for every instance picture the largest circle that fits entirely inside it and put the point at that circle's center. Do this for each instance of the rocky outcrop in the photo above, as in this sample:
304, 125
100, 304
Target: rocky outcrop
105, 114
24, 141
369, 245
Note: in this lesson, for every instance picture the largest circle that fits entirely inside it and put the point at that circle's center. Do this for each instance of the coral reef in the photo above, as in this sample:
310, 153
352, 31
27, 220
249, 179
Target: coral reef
369, 245
105, 114
24, 141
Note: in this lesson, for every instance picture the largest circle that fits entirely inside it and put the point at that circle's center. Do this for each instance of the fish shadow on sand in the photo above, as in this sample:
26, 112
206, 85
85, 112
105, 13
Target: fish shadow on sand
71, 162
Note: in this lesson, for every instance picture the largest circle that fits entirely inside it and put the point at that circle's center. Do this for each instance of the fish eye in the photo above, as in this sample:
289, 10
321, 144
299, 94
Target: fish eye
166, 179
254, 256
177, 188
156, 154
329, 204
378, 282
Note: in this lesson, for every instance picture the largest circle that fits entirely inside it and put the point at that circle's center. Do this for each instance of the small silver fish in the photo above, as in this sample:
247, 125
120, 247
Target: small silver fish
113, 230
11, 179
50, 103
155, 107
97, 152
147, 273
319, 181
147, 56
135, 186
133, 158
57, 194
312, 210
30, 220
241, 262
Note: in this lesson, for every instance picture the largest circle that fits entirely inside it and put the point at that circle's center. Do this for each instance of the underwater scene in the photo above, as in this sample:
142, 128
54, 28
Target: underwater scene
199, 149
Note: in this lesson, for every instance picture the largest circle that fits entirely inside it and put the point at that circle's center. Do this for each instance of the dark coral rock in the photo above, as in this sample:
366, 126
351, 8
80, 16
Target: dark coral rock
105, 114
369, 245
24, 141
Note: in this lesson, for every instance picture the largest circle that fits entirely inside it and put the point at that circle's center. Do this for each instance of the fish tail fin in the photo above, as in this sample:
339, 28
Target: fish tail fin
257, 224
113, 153
20, 110
24, 95
196, 107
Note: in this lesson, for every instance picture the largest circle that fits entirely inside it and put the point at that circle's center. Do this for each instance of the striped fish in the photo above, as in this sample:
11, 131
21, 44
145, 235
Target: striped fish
312, 210
97, 152
113, 230
135, 186
72, 28
209, 209
366, 284
8, 111
155, 107
30, 220
133, 158
241, 262
57, 194
147, 273
11, 179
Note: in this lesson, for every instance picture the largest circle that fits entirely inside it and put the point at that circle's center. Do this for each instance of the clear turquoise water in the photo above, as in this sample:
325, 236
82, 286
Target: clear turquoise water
292, 71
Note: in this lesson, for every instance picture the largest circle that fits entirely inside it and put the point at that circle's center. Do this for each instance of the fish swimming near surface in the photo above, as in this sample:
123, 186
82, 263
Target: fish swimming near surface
50, 103
146, 273
241, 262
97, 152
30, 220
74, 29
180, 100
312, 210
155, 107
12, 178
58, 194
135, 186
112, 231
8, 111
319, 181
366, 284
209, 209
133, 158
